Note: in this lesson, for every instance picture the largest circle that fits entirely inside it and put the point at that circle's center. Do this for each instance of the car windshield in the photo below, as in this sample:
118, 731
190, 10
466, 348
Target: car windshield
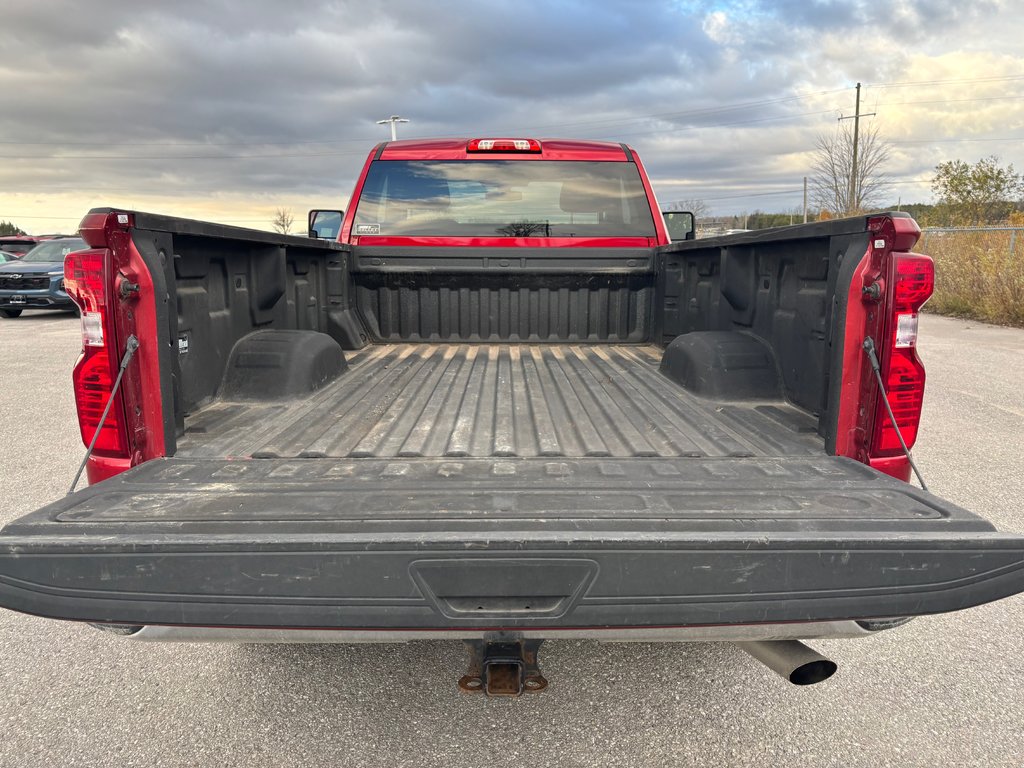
505, 198
54, 251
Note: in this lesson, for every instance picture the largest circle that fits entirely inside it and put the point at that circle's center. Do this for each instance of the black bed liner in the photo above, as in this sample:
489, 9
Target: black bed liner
421, 543
521, 463
500, 400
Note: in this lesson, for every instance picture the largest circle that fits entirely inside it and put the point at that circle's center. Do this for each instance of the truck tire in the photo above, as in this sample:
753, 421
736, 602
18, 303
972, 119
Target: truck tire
10, 314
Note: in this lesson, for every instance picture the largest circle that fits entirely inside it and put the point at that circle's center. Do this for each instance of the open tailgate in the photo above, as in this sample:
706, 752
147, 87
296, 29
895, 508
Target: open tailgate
501, 543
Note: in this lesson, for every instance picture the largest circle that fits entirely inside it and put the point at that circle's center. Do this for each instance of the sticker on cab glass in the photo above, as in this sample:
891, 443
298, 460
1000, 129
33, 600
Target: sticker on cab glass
367, 229
183, 344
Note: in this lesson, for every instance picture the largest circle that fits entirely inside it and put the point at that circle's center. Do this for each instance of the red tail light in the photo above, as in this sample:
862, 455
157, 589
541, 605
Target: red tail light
88, 281
911, 280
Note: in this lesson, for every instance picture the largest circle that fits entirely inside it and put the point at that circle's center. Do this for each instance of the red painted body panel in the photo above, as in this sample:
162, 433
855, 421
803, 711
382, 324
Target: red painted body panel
894, 466
350, 214
140, 387
852, 427
659, 221
142, 378
551, 149
859, 394
93, 229
508, 242
101, 467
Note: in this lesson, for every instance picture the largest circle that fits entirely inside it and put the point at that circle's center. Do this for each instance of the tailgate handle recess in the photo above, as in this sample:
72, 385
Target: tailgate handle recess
488, 588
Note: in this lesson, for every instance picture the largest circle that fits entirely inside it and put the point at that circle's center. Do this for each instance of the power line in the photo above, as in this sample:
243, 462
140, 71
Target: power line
259, 143
625, 134
22, 216
789, 191
693, 112
954, 141
950, 101
362, 153
753, 194
908, 83
793, 191
715, 125
9, 216
654, 116
703, 111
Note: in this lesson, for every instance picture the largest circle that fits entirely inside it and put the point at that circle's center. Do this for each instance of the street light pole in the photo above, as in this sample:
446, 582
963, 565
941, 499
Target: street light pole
394, 120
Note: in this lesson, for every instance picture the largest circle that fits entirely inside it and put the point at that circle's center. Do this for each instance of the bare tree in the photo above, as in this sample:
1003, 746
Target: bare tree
523, 228
697, 207
833, 165
283, 220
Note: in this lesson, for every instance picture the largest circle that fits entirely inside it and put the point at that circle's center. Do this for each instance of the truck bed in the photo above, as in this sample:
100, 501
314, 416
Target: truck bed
502, 451
491, 400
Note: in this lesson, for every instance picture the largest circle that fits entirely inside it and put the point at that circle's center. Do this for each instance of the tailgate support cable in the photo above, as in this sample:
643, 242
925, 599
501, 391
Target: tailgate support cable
869, 349
130, 346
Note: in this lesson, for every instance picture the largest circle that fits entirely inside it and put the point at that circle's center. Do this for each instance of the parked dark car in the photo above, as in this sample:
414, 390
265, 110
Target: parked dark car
36, 281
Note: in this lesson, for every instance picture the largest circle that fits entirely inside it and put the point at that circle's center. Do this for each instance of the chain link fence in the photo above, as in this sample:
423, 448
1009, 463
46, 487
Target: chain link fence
979, 272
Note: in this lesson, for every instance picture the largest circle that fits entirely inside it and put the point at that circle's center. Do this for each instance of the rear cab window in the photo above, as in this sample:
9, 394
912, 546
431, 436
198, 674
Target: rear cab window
503, 198
16, 249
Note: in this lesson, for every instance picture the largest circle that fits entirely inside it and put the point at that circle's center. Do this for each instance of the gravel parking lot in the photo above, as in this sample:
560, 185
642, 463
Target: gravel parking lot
946, 690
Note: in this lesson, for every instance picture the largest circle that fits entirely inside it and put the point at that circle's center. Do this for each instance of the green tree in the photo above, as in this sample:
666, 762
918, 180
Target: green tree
978, 194
762, 220
7, 228
925, 214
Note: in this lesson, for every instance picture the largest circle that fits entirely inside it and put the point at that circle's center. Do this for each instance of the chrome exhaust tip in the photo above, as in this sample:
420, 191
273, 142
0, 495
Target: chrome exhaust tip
792, 660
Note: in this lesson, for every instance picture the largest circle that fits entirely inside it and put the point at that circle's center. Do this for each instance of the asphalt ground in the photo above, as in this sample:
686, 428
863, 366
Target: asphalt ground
942, 691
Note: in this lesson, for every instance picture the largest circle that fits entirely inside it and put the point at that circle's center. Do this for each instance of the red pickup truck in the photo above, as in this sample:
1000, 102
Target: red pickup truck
494, 402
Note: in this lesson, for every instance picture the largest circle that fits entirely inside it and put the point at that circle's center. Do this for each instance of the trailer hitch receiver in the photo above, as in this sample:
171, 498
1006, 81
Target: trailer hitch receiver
503, 667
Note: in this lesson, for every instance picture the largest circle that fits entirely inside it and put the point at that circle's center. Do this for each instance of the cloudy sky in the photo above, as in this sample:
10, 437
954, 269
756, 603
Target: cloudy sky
229, 110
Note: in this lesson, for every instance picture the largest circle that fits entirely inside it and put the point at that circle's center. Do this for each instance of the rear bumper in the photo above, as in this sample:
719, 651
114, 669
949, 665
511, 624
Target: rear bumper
819, 630
35, 299
337, 584
563, 546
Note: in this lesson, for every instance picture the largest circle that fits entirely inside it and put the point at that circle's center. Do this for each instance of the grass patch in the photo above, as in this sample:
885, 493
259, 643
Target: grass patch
976, 275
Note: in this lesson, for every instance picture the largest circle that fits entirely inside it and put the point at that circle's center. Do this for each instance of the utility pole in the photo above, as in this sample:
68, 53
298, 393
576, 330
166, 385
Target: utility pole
395, 120
805, 199
854, 187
